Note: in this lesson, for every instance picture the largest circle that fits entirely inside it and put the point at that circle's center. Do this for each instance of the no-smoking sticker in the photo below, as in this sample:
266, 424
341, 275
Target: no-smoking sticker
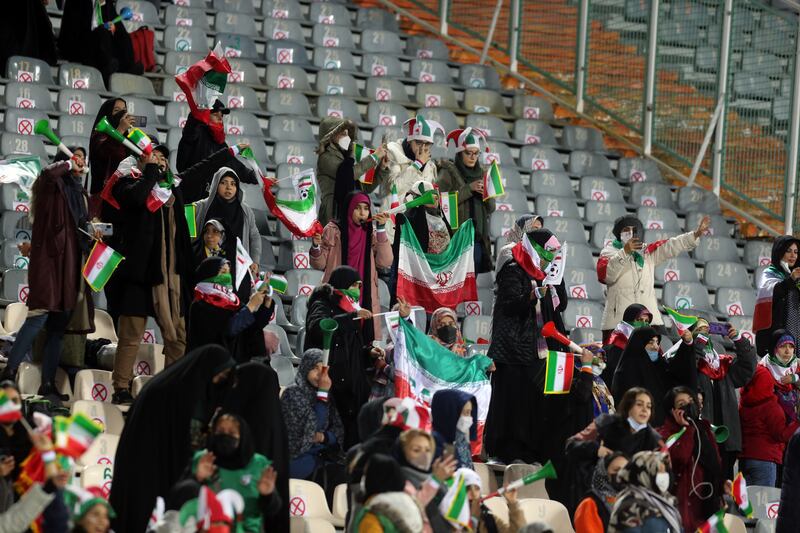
473, 308
540, 164
22, 292
655, 224
285, 55
300, 259
578, 291
583, 321
637, 175
387, 120
378, 70
530, 112
672, 275
25, 126
297, 506
76, 107
432, 100
142, 368
383, 94
23, 76
80, 83
236, 76
599, 195
99, 392
285, 82
735, 309
532, 139
772, 509
235, 102
149, 336
25, 103
305, 290
649, 201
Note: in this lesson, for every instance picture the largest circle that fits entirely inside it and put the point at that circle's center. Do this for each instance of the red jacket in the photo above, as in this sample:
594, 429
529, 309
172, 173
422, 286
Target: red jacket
765, 429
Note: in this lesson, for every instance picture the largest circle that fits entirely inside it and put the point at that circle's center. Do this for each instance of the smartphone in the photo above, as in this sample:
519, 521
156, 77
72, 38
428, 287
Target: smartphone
719, 328
106, 228
449, 450
138, 121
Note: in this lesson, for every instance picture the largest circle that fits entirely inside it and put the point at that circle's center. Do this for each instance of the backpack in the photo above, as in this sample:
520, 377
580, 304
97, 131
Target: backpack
143, 42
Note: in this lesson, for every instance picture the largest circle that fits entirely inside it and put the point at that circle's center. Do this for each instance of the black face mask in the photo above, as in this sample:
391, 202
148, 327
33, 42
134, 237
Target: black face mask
690, 411
447, 334
223, 445
615, 482
116, 117
432, 210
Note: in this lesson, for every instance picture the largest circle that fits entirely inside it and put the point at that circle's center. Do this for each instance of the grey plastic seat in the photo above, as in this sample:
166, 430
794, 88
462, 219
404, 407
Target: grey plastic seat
77, 76
238, 45
174, 138
586, 335
144, 14
654, 235
286, 170
436, 95
551, 182
514, 199
635, 169
725, 274
679, 268
579, 255
381, 64
338, 106
532, 107
513, 180
380, 41
600, 189
685, 295
500, 222
75, 125
650, 194
386, 90
477, 328
245, 7
287, 77
329, 13
716, 248
583, 314
478, 77
22, 121
697, 199
123, 84
555, 206
484, 101
177, 62
580, 138
298, 153
658, 218
582, 163
445, 117
762, 62
534, 132
761, 497
242, 123
28, 70
373, 17
185, 39
757, 253
185, 17
595, 212
426, 48
238, 96
290, 128
753, 85
332, 82
492, 126
288, 102
540, 158
145, 108
28, 96
601, 234
332, 36
430, 71
282, 9
286, 52
279, 29
334, 59
582, 284
735, 301
284, 368
176, 113
386, 134
719, 225
235, 22
12, 143
242, 71
12, 280
499, 151
387, 113
567, 229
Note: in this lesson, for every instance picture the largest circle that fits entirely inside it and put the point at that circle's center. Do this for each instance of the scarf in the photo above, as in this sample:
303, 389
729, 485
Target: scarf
601, 485
356, 238
639, 258
603, 402
777, 368
217, 131
463, 451
215, 294
457, 347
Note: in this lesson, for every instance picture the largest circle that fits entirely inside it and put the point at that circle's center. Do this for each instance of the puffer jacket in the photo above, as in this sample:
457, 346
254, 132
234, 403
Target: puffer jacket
628, 283
514, 329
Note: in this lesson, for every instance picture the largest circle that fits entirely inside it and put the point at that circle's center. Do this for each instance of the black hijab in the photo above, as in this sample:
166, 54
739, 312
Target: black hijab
244, 452
106, 110
634, 311
343, 277
345, 183
229, 212
779, 247
625, 221
383, 474
74, 194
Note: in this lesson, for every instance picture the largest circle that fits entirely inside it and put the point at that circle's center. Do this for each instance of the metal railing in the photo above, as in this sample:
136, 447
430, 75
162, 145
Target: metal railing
661, 69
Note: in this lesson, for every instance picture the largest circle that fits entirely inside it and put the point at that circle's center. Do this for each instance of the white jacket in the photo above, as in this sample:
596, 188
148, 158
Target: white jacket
627, 283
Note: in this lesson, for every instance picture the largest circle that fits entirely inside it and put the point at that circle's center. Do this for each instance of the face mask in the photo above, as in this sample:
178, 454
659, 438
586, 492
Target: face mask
639, 324
598, 369
434, 210
355, 294
625, 236
463, 424
662, 482
116, 117
223, 445
447, 334
422, 463
636, 426
690, 411
653, 355
615, 482
344, 142
226, 280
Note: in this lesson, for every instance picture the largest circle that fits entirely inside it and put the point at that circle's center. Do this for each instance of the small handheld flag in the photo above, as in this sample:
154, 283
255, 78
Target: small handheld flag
243, 262
361, 152
80, 433
560, 369
449, 203
100, 265
395, 201
682, 322
672, 439
714, 524
140, 139
190, 211
493, 182
10, 412
740, 496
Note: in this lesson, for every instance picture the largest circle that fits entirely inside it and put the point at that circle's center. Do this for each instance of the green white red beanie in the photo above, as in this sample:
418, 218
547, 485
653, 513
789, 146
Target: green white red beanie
421, 129
466, 138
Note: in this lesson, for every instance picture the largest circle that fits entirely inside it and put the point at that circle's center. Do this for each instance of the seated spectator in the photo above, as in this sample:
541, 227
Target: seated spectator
312, 421
594, 511
216, 315
225, 204
696, 465
602, 400
444, 330
778, 294
768, 411
644, 503
229, 461
483, 519
210, 241
455, 422
14, 439
91, 513
635, 316
387, 508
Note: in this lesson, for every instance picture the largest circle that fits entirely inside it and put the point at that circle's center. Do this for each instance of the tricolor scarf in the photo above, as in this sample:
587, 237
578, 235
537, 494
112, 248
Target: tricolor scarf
214, 293
713, 364
777, 368
638, 257
529, 255
762, 316
127, 167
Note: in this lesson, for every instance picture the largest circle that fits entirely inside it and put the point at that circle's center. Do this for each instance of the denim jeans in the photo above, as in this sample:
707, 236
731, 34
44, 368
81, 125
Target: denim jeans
55, 322
757, 472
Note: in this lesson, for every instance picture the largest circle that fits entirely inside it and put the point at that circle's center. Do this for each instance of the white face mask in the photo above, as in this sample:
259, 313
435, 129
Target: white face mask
463, 424
423, 462
625, 236
662, 482
636, 425
344, 142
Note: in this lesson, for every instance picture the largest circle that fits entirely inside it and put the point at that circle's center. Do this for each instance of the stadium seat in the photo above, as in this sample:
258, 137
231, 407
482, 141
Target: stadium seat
679, 268
185, 39
244, 7
478, 77
719, 224
107, 415
716, 248
287, 77
28, 70
430, 71
28, 96
282, 365
77, 76
138, 384
177, 62
299, 153
104, 327
514, 472
603, 211
477, 329
288, 102
237, 45
650, 194
144, 14
566, 229
426, 48
329, 13
332, 36
242, 123
385, 90
535, 132
586, 335
532, 107
145, 108
286, 52
491, 125
735, 301
435, 95
332, 82
445, 117
340, 502
235, 22
484, 101
725, 274
290, 128
101, 452
29, 377
131, 84
686, 295
20, 145
500, 222
553, 183
93, 384
380, 64
583, 163
282, 9
757, 253
600, 189
658, 218
368, 18
695, 199
635, 169
149, 359
98, 476
316, 505
278, 29
337, 106
581, 138
238, 96
75, 126
185, 17
22, 121
601, 234
334, 59
554, 206
579, 255
243, 71
386, 113
582, 284
762, 499
77, 102
540, 158
583, 314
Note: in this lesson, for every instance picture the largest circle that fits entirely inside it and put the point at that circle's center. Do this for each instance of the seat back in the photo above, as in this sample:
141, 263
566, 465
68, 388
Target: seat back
290, 128
581, 138
284, 368
380, 63
311, 495
386, 113
426, 48
230, 22
736, 301
477, 329
658, 218
242, 123
338, 106
603, 211
178, 62
725, 274
332, 36
286, 52
101, 452
77, 102
567, 229
435, 95
582, 284
278, 29
479, 77
535, 132
430, 71
584, 163
583, 314
329, 13
281, 9
579, 255
600, 189
697, 199
185, 38
586, 335
28, 96
28, 70
484, 101
333, 59
22, 121
104, 327
540, 158
138, 384
77, 76
185, 17
333, 82
716, 248
636, 169
107, 415
15, 313
551, 512
93, 384
385, 90
679, 268
554, 206
242, 71
296, 153
244, 7
369, 17
288, 102
532, 107
145, 108
287, 77
492, 126
238, 96
650, 194
685, 295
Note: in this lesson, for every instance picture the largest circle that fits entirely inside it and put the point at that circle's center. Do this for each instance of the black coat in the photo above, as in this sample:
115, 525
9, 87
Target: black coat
209, 325
789, 511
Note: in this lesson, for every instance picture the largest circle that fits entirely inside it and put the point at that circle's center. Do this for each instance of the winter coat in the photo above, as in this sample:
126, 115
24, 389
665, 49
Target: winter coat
389, 512
105, 155
54, 273
515, 516
783, 309
719, 396
238, 330
628, 283
765, 430
329, 256
789, 511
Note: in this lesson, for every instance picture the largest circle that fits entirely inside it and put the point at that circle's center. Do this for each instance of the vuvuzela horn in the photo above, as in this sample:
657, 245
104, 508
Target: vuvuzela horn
105, 127
328, 326
42, 127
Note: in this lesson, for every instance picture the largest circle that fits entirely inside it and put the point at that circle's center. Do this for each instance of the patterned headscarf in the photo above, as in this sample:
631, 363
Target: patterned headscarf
522, 225
457, 347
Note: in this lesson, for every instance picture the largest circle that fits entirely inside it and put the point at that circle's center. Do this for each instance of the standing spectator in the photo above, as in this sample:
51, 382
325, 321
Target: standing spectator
58, 297
465, 175
635, 316
105, 153
626, 266
455, 421
594, 511
789, 511
644, 504
778, 302
312, 421
768, 409
524, 224
696, 465
337, 170
158, 256
225, 204
351, 240
26, 30
444, 330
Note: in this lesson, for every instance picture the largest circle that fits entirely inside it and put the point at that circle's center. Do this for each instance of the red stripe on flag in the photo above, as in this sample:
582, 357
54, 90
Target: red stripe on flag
569, 371
762, 315
408, 289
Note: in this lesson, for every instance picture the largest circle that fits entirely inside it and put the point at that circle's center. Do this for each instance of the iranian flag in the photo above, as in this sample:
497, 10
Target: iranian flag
740, 496
243, 262
204, 82
10, 412
560, 369
493, 182
22, 172
714, 524
346, 303
360, 151
395, 201
299, 216
449, 203
279, 283
158, 197
81, 432
437, 280
455, 503
423, 366
190, 211
141, 140
682, 322
102, 262
762, 316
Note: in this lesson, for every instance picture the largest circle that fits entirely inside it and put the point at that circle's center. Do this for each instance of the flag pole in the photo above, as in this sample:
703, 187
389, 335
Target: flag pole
89, 234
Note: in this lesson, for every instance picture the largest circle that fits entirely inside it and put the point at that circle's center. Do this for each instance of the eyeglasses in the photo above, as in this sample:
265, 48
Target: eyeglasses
471, 154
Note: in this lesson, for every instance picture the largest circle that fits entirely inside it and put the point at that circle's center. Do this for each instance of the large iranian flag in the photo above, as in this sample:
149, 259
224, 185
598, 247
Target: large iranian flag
299, 216
423, 366
437, 280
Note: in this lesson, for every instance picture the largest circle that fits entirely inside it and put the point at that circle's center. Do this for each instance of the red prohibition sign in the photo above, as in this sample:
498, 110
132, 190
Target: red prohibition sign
647, 202
473, 309
24, 77
234, 130
76, 108
531, 113
378, 70
107, 488
285, 83
23, 294
99, 392
284, 56
104, 461
297, 506
382, 95
387, 121
143, 368
599, 196
79, 84
301, 261
26, 104
584, 322
654, 225
539, 164
22, 208
425, 77
432, 101
305, 290
578, 292
637, 176
25, 127
235, 76
331, 42
294, 159
671, 275
279, 35
765, 261
735, 310
503, 207
747, 335
234, 101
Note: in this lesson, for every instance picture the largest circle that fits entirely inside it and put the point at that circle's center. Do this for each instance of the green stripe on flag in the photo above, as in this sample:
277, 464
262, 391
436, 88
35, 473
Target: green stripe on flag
86, 425
682, 322
279, 283
463, 238
191, 219
457, 504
